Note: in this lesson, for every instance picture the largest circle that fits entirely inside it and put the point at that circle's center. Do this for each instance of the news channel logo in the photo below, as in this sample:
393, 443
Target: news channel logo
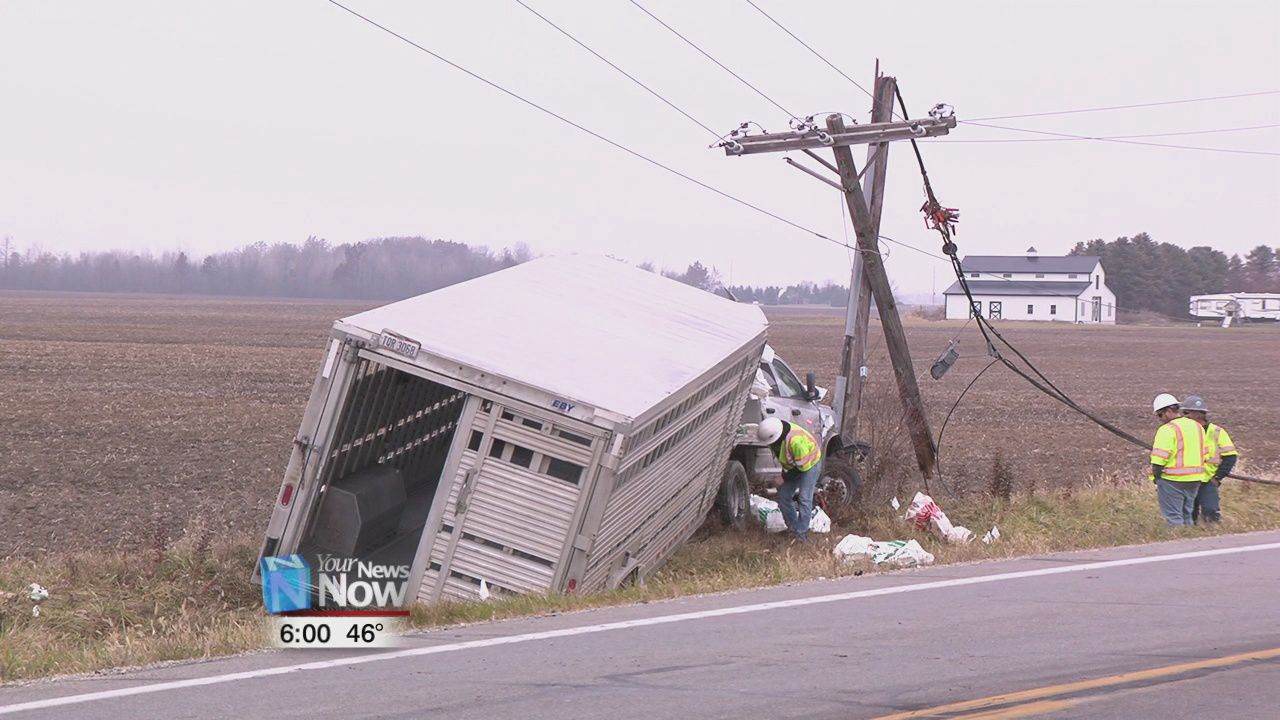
341, 583
286, 584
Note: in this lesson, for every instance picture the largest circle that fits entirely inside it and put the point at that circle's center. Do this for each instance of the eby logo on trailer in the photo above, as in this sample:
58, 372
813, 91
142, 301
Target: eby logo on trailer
286, 584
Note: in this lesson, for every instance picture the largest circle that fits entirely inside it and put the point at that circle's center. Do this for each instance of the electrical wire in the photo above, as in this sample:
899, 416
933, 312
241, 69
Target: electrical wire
586, 130
1128, 107
808, 47
942, 430
948, 141
1117, 140
626, 74
708, 56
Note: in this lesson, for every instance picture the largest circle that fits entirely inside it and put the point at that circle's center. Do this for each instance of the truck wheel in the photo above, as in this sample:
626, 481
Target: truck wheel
735, 496
840, 484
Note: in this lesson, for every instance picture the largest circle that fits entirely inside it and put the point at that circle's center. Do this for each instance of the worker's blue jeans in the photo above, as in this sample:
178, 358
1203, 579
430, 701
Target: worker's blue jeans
1177, 500
803, 487
1208, 504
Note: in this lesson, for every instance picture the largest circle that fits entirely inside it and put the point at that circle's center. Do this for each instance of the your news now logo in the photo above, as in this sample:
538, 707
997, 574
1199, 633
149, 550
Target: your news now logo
286, 584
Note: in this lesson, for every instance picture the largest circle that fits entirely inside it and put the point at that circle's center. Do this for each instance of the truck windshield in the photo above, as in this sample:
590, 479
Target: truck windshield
788, 386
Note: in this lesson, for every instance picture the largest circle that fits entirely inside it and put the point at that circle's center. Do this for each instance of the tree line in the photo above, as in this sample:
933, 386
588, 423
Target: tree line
379, 269
803, 293
1160, 277
1144, 274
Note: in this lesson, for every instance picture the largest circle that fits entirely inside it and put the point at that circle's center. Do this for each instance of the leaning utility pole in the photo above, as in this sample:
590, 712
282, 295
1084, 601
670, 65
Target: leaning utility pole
853, 358
869, 277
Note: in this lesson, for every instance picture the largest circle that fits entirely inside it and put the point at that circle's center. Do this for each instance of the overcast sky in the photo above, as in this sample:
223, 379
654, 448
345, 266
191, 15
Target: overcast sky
209, 125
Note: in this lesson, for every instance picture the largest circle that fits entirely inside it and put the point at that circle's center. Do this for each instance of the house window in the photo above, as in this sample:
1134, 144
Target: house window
1108, 310
1072, 276
1039, 275
1031, 309
974, 275
1082, 308
1008, 275
1053, 309
1097, 282
995, 310
976, 309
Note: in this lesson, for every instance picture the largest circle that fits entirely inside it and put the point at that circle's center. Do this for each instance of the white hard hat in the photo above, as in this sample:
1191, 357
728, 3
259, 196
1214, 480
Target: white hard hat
769, 431
1162, 401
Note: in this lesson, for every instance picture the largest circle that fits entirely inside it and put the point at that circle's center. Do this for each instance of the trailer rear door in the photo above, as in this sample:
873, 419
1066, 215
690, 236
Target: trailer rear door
514, 505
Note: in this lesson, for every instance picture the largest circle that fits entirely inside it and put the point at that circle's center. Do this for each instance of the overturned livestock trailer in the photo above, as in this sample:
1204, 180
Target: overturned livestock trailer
560, 425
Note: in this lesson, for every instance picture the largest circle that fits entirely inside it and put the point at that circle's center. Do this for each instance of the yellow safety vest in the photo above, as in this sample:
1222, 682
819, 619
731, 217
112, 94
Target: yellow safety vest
1180, 448
1217, 446
799, 451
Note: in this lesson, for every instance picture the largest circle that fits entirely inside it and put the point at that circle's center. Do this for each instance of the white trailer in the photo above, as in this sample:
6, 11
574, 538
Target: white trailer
560, 425
1236, 306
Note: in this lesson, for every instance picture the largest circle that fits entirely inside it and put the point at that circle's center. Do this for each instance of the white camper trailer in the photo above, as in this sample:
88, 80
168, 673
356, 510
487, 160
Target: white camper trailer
560, 425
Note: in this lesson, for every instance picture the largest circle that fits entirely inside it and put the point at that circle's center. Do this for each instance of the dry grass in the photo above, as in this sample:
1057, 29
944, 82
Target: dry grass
109, 609
194, 600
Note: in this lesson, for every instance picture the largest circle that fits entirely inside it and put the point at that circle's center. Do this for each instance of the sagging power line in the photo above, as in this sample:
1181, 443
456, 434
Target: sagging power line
584, 129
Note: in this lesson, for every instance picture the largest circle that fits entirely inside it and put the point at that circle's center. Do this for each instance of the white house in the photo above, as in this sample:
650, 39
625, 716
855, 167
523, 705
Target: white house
1067, 288
1250, 306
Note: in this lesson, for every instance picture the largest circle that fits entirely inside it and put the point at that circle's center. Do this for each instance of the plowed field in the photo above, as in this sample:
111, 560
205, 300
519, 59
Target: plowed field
127, 417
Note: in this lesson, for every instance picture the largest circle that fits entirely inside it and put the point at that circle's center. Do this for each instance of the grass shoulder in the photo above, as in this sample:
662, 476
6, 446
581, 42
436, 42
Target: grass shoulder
195, 600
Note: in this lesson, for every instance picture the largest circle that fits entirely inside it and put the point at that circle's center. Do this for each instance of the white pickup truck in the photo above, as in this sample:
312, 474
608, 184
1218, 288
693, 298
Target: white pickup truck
778, 392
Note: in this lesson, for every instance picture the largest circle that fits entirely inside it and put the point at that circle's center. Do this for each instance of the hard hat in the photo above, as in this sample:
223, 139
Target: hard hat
1162, 401
1195, 403
769, 431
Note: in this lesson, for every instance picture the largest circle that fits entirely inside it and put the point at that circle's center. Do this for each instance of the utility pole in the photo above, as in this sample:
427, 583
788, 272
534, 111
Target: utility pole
853, 358
868, 278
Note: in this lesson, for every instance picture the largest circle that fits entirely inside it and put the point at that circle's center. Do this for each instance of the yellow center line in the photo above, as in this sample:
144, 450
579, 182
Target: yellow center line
1039, 707
1073, 687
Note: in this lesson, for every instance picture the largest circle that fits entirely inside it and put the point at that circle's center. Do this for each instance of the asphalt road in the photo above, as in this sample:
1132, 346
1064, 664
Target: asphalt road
1186, 629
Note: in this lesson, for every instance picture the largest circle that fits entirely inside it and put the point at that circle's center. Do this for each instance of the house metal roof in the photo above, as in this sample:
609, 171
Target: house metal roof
1030, 263
1021, 287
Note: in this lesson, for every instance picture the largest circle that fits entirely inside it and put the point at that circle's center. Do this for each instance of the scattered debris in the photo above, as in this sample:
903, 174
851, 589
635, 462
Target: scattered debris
484, 590
992, 535
770, 515
853, 546
895, 504
38, 594
924, 511
902, 553
820, 522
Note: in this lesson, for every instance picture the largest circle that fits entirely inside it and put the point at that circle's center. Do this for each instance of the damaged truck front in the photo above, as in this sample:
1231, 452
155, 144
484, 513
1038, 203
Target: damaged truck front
559, 426
752, 468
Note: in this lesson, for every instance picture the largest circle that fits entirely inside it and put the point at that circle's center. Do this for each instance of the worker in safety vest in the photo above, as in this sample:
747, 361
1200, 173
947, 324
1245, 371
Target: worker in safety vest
800, 456
1222, 458
1177, 461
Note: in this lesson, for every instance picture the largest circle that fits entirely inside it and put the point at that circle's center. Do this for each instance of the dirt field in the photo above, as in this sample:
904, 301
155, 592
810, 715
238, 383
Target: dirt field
123, 418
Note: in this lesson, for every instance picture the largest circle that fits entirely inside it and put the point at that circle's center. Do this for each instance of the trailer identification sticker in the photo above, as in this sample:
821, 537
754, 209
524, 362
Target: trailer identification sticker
399, 344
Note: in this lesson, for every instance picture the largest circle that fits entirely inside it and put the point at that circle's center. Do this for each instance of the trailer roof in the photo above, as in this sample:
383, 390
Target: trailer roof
587, 328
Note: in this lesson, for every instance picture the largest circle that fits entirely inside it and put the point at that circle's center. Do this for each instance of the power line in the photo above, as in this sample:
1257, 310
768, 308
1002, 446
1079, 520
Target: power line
1105, 137
708, 56
1128, 107
817, 54
628, 75
586, 130
1116, 140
